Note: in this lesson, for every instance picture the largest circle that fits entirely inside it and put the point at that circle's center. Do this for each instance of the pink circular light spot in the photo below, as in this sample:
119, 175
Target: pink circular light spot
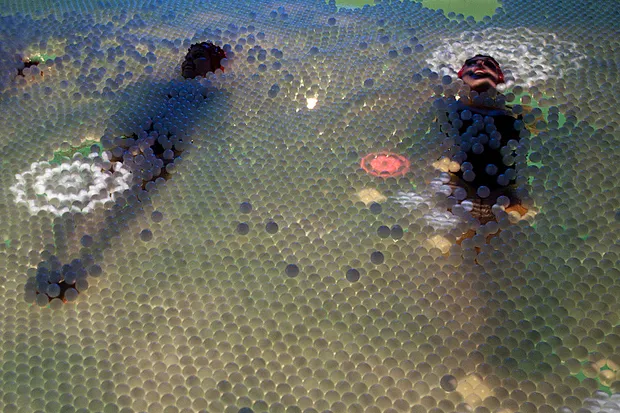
385, 164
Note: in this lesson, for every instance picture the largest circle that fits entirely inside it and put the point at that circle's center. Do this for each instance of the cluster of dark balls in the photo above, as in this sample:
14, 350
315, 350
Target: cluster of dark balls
202, 58
489, 159
29, 64
149, 156
55, 280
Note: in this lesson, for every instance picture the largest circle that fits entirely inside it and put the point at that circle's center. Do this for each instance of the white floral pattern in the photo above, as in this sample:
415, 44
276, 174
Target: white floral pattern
77, 186
535, 59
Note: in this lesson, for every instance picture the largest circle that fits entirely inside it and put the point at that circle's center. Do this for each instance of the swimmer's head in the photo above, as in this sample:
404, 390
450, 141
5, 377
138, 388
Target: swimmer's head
481, 73
202, 58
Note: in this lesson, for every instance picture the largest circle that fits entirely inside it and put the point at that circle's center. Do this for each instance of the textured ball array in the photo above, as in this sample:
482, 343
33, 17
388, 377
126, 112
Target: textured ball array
224, 249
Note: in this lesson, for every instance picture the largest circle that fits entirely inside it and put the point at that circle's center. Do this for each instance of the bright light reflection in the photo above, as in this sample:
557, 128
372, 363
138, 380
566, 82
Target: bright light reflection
473, 390
311, 102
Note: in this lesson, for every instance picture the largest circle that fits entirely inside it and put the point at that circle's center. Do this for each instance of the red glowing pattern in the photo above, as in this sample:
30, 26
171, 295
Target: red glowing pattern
385, 164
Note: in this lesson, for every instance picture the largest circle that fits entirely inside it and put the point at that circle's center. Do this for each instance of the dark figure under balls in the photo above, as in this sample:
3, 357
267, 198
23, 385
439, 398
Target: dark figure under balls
202, 58
486, 156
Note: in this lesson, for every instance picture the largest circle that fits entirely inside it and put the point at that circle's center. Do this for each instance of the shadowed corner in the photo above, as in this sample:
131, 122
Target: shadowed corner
155, 138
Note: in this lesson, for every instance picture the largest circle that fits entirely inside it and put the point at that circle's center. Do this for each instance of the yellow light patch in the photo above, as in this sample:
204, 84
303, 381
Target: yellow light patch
370, 195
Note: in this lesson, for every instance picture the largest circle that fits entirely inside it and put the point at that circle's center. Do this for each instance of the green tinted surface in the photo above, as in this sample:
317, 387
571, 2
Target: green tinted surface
475, 8
64, 156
